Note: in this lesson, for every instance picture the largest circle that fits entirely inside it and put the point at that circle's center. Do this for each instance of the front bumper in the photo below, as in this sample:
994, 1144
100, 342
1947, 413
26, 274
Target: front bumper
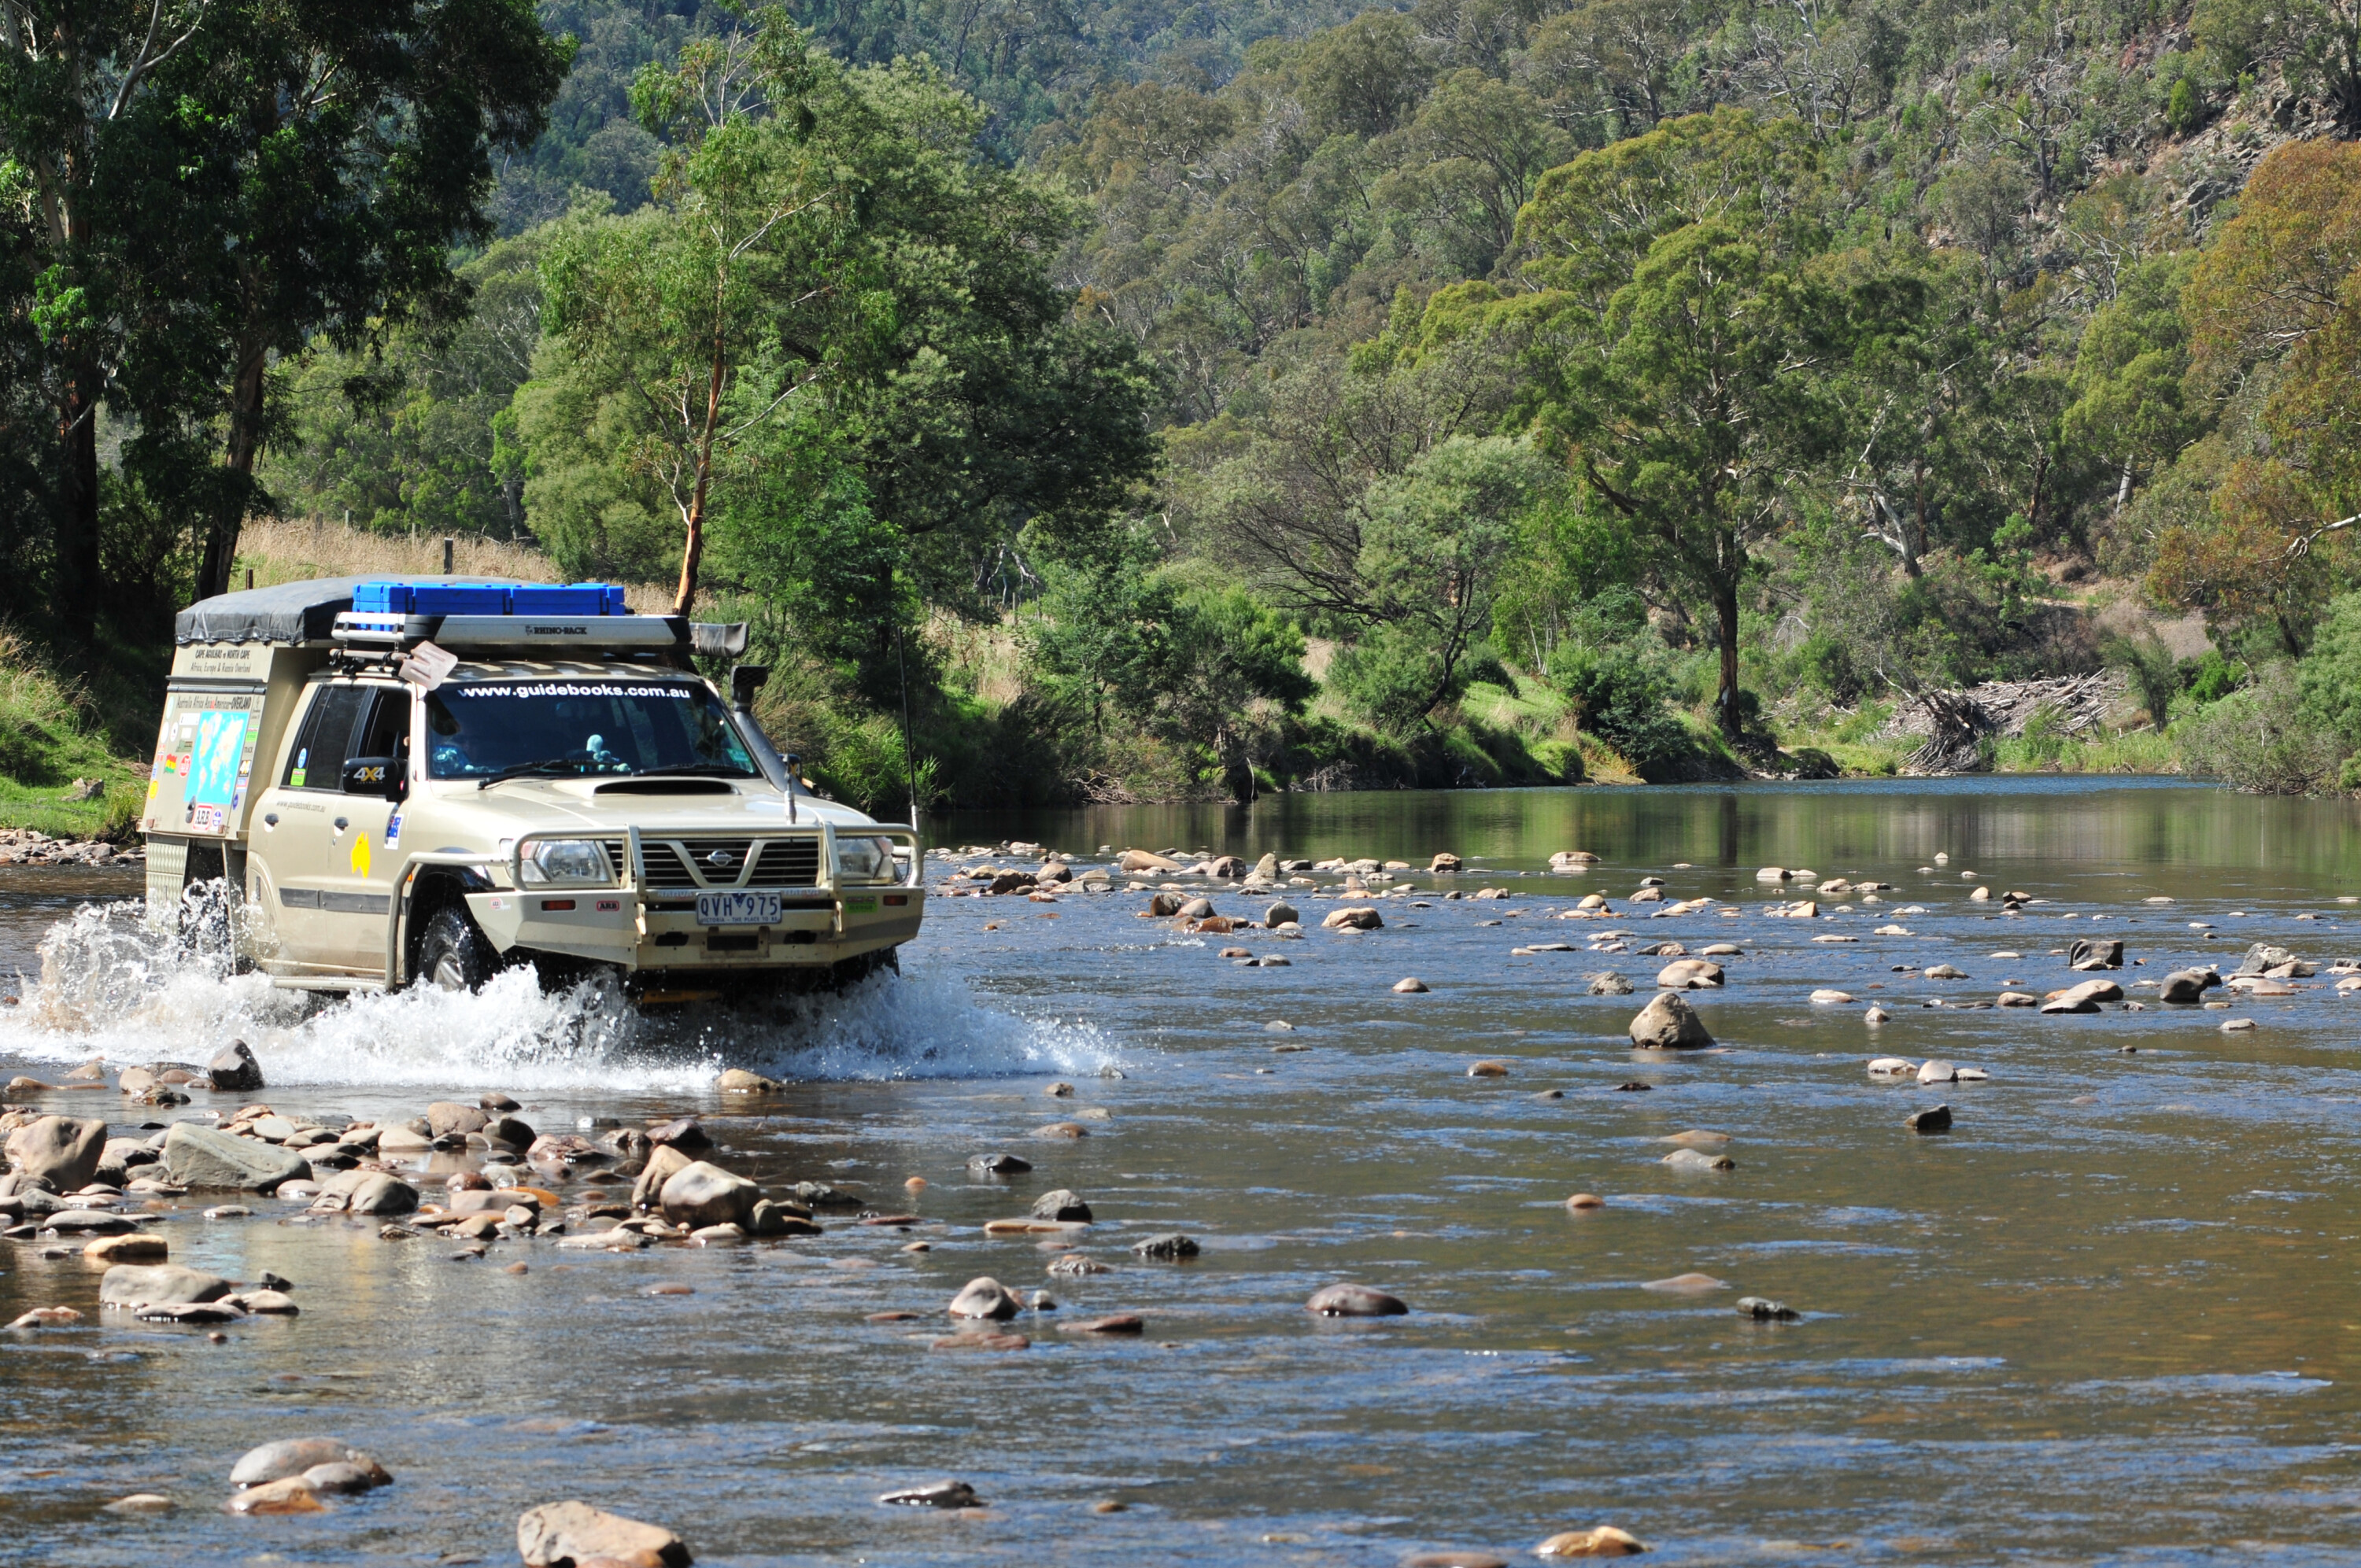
639, 928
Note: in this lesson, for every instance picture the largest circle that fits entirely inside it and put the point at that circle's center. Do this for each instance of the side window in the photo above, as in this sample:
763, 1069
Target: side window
386, 732
319, 758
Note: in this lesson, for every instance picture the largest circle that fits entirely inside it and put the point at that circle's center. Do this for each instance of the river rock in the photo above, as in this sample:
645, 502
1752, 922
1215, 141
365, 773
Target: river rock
1942, 971
88, 1222
1609, 983
936, 1494
294, 1455
737, 1080
132, 1247
1410, 985
2089, 955
2264, 956
1697, 1159
1359, 919
573, 1534
1354, 1302
997, 1165
200, 1156
2083, 998
984, 1298
289, 1495
1765, 1310
704, 1194
1689, 974
663, 1164
1137, 861
133, 1284
1876, 1015
1600, 1540
1829, 997
2188, 984
136, 1081
234, 1071
1572, 859
1170, 1247
445, 1117
2017, 999
366, 1192
1937, 1071
1668, 1024
64, 1151
1063, 1205
1934, 1119
1444, 863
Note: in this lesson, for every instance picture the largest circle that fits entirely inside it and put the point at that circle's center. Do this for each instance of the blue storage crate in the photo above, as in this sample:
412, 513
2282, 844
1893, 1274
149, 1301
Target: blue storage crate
381, 598
615, 605
546, 598
458, 599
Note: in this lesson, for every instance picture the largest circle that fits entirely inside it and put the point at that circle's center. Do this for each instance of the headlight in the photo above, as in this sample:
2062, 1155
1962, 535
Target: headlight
552, 861
864, 860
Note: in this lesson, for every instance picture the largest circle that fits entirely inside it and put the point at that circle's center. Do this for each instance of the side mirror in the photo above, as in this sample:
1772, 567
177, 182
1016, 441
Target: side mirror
377, 776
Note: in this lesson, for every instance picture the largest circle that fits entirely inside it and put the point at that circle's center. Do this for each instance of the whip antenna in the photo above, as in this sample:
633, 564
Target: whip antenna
909, 758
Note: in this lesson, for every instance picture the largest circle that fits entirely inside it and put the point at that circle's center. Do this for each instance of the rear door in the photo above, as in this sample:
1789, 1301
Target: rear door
330, 856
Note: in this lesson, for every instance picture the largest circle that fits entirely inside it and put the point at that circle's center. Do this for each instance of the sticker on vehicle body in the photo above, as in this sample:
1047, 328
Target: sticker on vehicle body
861, 907
610, 906
393, 829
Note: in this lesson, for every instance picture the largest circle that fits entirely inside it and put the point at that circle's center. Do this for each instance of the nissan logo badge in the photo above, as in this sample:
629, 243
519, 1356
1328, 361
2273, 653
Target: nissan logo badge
719, 858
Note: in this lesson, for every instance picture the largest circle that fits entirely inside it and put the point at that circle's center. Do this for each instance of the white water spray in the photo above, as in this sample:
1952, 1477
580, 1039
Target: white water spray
112, 987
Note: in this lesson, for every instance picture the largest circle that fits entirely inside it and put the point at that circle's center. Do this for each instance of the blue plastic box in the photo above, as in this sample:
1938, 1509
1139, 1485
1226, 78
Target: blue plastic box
542, 598
615, 605
381, 598
458, 599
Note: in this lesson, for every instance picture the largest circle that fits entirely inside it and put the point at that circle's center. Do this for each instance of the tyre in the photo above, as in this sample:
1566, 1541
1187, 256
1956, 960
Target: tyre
849, 972
451, 954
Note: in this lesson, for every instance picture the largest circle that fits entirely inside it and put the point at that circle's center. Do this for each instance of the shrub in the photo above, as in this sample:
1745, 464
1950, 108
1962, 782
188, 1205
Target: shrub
2263, 739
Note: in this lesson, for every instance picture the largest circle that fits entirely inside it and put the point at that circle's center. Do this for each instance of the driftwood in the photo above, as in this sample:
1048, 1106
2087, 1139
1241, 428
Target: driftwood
1954, 724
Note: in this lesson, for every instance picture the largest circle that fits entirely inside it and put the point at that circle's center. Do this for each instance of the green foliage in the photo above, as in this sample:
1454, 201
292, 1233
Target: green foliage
1622, 693
2263, 738
2155, 673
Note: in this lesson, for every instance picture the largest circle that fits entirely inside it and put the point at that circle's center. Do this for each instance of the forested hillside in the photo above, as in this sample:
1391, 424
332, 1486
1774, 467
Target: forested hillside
1241, 396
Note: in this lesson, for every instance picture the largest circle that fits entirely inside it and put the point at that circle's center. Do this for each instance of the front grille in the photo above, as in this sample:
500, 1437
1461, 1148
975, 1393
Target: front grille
661, 867
685, 865
787, 862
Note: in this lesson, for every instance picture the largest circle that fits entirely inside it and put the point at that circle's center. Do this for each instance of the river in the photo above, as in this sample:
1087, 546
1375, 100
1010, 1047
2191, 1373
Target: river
2105, 1318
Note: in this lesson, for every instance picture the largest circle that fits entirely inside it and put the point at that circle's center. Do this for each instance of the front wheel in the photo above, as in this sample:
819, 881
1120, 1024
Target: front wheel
453, 954
845, 973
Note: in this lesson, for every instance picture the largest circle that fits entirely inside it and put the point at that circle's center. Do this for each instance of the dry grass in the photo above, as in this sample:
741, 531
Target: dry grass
294, 551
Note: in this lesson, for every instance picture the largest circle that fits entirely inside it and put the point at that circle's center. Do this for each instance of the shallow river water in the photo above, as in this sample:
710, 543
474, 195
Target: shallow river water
2110, 1316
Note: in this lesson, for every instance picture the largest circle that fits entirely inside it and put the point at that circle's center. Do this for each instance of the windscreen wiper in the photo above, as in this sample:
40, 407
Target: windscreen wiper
699, 770
550, 766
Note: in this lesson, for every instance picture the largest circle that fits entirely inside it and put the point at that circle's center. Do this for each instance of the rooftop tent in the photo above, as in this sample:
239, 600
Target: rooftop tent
286, 612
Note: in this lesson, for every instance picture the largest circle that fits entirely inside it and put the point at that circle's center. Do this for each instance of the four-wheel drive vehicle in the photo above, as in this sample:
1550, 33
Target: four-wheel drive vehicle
403, 779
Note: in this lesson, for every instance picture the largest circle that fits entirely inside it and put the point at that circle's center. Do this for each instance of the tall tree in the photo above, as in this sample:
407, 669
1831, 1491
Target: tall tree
211, 183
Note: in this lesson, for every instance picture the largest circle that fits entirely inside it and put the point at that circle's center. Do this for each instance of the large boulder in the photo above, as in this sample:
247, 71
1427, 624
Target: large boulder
2091, 955
1281, 914
134, 1285
1141, 861
703, 1195
1689, 974
200, 1156
62, 1151
234, 1070
1669, 1024
568, 1534
1359, 919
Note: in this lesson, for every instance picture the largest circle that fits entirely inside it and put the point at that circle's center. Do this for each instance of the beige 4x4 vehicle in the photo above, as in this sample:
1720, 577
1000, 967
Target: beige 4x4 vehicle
455, 777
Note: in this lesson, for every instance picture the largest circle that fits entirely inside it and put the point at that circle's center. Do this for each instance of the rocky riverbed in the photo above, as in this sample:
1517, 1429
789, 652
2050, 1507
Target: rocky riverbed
1100, 1234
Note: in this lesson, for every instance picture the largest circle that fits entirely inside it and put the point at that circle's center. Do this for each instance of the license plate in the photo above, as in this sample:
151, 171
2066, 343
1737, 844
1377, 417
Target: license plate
737, 908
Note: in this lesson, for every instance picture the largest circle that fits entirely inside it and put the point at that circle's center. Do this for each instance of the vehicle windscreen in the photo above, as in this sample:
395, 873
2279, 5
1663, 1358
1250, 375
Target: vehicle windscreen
563, 727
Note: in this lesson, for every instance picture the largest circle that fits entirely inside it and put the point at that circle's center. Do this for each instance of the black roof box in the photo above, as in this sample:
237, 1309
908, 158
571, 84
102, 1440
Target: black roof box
284, 612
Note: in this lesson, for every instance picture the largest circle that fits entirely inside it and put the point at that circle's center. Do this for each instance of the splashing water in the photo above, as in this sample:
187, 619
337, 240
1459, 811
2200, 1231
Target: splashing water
112, 985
